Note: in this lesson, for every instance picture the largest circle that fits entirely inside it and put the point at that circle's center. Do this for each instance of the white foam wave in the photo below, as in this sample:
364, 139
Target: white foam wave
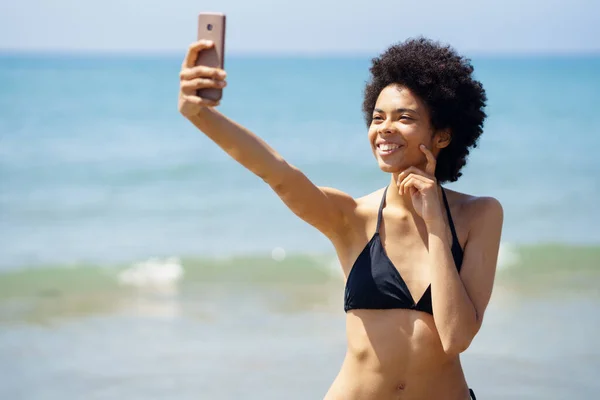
508, 256
278, 254
153, 273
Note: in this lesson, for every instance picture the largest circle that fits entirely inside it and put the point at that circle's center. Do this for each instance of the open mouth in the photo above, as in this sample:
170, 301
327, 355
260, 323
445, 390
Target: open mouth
387, 148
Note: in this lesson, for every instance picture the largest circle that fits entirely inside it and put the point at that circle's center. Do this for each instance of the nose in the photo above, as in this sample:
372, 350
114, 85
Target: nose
385, 128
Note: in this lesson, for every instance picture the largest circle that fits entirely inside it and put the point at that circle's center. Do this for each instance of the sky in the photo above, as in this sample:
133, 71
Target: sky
304, 26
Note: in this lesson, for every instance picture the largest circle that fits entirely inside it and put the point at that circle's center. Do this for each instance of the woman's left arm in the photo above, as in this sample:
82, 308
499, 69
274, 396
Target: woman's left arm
459, 300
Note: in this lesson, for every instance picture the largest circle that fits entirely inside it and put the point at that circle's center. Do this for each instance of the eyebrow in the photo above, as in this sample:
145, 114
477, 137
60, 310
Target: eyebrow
398, 110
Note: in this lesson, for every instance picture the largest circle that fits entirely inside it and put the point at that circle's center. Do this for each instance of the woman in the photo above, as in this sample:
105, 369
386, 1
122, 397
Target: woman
419, 260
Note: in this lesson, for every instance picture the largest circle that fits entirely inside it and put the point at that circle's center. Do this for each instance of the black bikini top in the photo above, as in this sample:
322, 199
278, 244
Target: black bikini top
374, 282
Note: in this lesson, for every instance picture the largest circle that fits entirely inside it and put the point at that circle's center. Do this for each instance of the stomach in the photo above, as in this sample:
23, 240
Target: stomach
396, 354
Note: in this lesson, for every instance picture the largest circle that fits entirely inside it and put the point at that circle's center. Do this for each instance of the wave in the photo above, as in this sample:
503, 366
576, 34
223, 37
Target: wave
162, 273
515, 262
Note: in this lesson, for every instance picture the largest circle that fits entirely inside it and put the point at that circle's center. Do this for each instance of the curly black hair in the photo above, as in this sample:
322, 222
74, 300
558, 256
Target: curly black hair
443, 80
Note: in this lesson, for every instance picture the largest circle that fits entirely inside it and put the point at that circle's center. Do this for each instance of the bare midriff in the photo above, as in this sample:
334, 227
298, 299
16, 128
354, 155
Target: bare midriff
396, 355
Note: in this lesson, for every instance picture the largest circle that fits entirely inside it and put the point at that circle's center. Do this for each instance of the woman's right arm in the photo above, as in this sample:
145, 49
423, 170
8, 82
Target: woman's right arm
326, 209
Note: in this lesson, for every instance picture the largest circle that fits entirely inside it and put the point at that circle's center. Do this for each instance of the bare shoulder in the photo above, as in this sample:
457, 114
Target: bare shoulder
361, 218
475, 212
360, 212
367, 207
341, 198
364, 219
371, 199
354, 207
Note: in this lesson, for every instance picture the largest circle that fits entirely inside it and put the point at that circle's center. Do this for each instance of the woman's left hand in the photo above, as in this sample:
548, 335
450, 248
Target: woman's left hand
422, 187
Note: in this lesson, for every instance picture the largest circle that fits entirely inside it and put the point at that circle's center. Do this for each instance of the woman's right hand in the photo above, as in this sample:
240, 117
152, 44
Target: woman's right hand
194, 77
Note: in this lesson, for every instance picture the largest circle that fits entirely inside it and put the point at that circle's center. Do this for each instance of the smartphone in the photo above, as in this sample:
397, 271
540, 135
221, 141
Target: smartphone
211, 26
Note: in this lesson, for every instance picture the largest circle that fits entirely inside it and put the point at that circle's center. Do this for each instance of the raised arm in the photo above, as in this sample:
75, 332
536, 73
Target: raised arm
324, 208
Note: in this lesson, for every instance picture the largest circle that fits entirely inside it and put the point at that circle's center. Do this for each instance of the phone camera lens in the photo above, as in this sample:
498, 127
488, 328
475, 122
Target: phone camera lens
209, 27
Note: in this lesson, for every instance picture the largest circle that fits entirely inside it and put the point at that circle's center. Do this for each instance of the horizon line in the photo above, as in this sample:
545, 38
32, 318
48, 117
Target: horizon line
276, 53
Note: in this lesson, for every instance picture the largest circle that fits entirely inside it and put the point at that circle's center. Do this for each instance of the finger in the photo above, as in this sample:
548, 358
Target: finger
431, 161
425, 182
202, 71
403, 185
413, 182
189, 87
411, 170
402, 175
193, 50
413, 191
200, 101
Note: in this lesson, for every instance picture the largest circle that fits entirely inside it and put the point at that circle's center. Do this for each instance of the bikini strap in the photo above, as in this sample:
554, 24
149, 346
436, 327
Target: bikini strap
380, 213
452, 229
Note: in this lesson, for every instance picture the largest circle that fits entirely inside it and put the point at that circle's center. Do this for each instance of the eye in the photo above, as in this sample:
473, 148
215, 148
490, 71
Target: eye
377, 118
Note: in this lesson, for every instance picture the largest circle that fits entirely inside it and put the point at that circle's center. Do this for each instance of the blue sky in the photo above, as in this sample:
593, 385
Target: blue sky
305, 26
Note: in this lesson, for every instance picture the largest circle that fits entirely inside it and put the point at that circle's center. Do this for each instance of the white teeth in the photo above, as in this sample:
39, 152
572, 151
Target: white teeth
388, 147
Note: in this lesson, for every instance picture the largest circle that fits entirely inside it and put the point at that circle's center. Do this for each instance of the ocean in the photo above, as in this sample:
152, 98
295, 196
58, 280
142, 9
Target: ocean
137, 260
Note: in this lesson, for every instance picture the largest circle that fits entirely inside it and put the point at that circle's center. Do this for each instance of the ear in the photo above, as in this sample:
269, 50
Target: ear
442, 139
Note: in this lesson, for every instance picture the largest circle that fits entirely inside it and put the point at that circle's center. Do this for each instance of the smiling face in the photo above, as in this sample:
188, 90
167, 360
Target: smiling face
400, 124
